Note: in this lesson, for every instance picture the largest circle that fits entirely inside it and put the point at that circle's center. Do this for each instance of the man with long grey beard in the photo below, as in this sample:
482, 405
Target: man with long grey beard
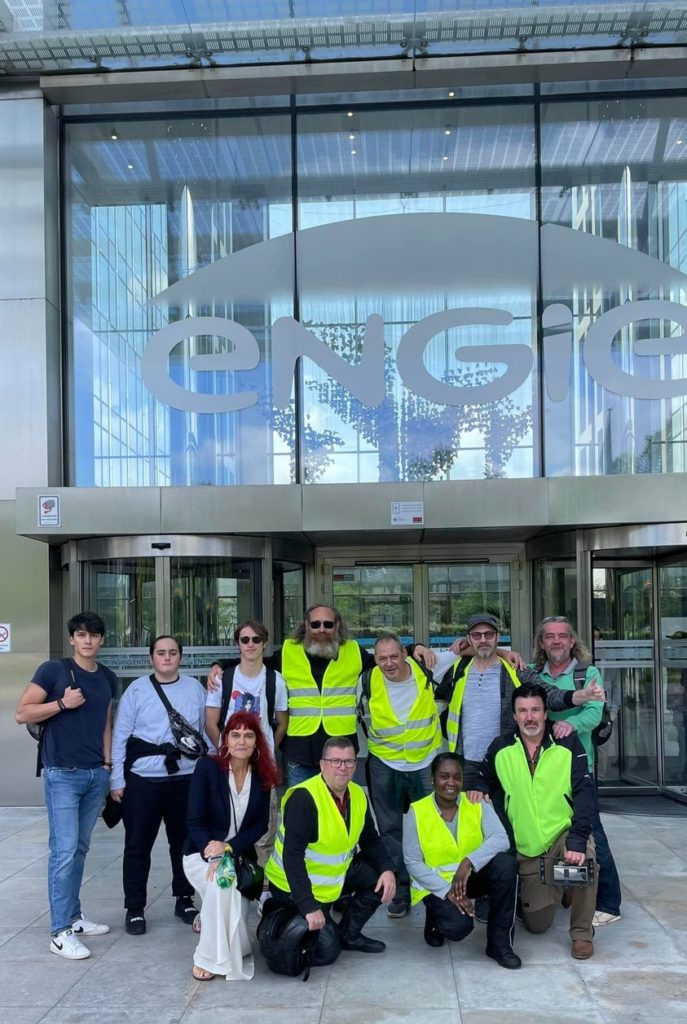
321, 665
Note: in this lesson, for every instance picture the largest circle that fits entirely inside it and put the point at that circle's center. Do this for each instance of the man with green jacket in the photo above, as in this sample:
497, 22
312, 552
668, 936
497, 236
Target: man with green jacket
544, 788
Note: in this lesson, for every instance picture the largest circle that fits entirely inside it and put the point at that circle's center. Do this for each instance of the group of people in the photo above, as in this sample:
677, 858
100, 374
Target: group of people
513, 797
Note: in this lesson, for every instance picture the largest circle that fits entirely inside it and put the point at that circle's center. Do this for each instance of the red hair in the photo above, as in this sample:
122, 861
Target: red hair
261, 760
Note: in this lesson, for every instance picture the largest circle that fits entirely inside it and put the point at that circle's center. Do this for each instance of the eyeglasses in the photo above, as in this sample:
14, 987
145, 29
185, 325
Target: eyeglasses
327, 623
341, 762
487, 634
251, 640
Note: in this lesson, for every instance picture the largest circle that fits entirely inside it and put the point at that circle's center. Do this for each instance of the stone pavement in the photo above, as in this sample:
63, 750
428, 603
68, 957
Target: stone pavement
638, 973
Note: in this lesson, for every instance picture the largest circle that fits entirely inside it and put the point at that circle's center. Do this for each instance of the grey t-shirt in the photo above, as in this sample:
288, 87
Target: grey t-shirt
480, 718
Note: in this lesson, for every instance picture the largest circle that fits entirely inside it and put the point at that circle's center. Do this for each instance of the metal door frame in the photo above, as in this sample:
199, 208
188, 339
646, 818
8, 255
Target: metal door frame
422, 556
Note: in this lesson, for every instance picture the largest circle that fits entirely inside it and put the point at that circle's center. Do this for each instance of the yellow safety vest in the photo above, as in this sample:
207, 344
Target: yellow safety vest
439, 849
328, 859
453, 719
399, 742
334, 708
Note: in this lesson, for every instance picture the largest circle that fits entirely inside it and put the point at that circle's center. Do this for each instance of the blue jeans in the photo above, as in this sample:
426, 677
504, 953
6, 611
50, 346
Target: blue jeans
296, 773
608, 895
74, 798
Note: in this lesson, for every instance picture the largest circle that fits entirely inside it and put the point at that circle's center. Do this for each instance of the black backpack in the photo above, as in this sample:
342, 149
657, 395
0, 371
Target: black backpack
228, 685
36, 730
604, 730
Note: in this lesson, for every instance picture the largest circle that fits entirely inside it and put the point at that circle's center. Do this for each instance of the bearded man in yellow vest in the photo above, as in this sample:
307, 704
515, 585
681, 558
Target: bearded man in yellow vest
454, 851
320, 664
544, 787
327, 846
403, 737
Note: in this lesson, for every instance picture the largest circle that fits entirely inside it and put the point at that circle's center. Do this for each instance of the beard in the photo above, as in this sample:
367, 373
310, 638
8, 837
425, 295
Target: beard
328, 649
485, 652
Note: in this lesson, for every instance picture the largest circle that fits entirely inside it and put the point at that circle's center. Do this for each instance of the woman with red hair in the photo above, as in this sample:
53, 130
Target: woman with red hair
228, 810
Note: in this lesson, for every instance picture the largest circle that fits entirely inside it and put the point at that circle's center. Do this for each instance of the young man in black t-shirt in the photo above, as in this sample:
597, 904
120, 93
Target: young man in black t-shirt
73, 699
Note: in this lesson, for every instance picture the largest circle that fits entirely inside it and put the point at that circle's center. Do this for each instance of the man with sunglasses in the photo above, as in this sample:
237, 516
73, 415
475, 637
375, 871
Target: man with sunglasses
321, 665
328, 846
479, 690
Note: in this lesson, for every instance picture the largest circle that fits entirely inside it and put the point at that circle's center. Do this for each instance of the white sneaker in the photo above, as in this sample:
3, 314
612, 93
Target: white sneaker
66, 944
82, 926
601, 917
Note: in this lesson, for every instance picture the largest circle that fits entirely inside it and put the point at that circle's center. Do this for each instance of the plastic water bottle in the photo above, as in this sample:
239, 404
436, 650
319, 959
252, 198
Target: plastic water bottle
225, 873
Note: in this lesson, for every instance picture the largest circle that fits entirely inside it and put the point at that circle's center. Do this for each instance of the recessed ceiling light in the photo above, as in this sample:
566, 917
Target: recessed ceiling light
444, 158
451, 94
353, 152
678, 142
447, 131
130, 167
349, 113
113, 135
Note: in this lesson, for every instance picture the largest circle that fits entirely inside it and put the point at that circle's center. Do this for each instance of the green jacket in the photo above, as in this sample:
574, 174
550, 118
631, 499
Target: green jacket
585, 718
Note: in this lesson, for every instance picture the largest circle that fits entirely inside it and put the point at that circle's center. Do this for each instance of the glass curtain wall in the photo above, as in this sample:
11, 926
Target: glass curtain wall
431, 292
614, 256
152, 204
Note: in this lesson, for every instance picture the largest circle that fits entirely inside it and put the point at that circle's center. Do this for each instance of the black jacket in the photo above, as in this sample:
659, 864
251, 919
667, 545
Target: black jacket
580, 782
209, 810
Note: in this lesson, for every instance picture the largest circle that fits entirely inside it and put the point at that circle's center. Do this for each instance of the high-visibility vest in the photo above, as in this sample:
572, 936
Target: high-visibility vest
334, 708
539, 806
439, 848
399, 742
328, 859
453, 717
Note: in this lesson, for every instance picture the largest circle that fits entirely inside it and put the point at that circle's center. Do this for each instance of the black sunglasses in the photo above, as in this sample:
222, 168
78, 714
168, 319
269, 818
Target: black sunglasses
251, 640
327, 623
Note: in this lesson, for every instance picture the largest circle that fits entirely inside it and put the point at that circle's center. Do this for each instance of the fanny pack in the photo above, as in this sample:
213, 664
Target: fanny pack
189, 741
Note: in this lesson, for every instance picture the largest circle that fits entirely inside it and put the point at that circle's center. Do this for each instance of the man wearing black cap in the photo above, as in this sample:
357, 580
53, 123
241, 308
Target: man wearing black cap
479, 691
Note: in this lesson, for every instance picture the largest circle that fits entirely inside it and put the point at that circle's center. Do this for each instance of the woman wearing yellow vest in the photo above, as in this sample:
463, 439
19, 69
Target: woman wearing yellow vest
454, 851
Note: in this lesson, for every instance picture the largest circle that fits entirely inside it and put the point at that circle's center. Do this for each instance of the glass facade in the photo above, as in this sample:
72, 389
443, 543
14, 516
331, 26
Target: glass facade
426, 290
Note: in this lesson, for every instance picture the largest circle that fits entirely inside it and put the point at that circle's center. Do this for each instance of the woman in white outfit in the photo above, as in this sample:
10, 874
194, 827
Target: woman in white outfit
228, 808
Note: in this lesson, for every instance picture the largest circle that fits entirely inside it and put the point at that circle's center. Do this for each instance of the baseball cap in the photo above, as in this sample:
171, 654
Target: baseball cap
488, 620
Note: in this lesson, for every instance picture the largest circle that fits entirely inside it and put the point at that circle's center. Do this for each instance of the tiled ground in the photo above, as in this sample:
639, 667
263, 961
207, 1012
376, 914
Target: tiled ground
638, 974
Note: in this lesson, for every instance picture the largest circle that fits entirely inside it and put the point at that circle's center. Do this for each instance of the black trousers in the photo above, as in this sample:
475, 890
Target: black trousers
145, 805
359, 883
499, 881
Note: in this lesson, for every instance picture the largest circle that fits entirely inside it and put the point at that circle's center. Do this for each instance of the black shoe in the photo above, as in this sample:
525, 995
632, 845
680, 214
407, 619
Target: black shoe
433, 936
135, 923
185, 908
505, 957
482, 909
362, 944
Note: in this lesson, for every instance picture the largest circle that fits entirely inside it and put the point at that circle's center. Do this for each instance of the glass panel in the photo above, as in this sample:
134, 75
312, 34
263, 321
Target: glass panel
673, 611
373, 598
431, 213
614, 262
122, 592
555, 590
288, 581
624, 653
210, 596
150, 207
458, 591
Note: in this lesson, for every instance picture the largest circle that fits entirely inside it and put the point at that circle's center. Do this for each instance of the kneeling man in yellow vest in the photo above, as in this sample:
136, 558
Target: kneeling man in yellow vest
327, 846
456, 850
544, 787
